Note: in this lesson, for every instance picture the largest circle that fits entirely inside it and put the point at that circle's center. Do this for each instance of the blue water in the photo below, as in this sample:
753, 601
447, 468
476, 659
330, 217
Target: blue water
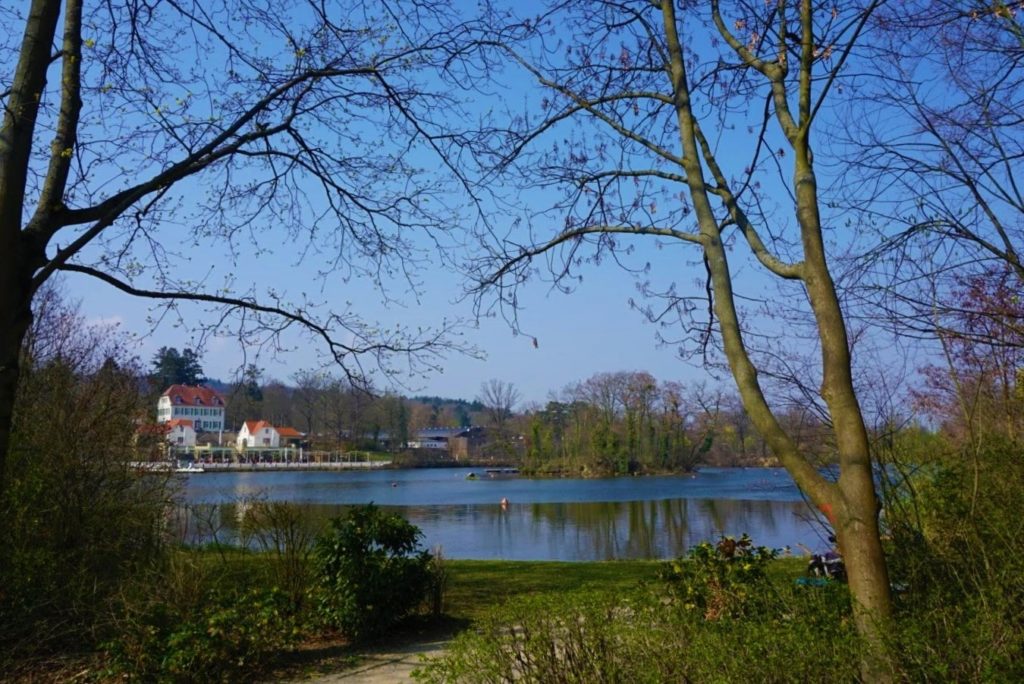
446, 486
546, 519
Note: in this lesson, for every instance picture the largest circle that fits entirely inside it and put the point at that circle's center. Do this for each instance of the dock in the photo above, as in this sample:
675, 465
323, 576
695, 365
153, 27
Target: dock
498, 472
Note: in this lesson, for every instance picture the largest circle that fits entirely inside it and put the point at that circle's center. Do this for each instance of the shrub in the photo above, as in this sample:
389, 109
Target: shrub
286, 536
438, 587
372, 572
226, 637
78, 523
727, 579
592, 636
954, 525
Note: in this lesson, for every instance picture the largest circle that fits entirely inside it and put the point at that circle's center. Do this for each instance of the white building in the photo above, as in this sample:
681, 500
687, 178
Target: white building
201, 405
258, 433
180, 432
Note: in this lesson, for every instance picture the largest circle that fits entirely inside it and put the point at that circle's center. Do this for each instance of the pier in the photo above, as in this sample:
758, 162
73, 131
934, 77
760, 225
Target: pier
209, 458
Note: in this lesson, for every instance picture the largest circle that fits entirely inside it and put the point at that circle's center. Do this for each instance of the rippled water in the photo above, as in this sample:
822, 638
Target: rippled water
546, 519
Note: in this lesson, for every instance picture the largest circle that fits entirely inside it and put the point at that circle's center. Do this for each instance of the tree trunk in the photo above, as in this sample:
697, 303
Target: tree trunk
21, 252
15, 320
858, 537
851, 501
856, 518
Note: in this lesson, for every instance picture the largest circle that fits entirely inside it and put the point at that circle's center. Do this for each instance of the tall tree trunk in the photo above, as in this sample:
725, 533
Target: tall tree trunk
851, 502
856, 516
20, 252
15, 320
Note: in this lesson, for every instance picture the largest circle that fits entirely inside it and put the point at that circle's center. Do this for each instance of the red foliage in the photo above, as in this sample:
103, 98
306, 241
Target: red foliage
982, 335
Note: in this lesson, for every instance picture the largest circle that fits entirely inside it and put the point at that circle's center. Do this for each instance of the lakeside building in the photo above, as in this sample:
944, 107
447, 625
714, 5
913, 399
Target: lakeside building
201, 405
180, 432
462, 442
260, 433
154, 440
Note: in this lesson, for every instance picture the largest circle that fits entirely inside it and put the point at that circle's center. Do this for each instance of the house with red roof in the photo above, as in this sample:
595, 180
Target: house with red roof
260, 433
289, 436
180, 432
201, 405
152, 439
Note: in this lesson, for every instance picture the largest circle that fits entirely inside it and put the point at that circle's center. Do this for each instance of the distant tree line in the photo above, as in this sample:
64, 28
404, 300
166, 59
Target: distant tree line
629, 422
612, 423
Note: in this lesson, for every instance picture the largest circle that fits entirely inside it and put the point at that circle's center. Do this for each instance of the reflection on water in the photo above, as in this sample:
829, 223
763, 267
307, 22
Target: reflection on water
606, 530
440, 486
547, 519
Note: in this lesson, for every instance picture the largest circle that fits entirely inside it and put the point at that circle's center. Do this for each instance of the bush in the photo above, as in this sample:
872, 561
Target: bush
286, 535
371, 571
727, 579
227, 636
954, 527
78, 523
590, 637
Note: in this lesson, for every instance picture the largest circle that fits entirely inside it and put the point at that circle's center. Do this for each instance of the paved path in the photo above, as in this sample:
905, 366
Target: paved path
384, 667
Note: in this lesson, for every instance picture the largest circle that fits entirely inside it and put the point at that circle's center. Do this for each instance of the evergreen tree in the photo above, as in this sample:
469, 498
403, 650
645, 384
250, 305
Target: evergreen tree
171, 367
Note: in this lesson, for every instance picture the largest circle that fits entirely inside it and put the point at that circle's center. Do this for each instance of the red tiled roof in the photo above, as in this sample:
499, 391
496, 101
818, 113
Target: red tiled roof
158, 429
187, 395
288, 432
185, 422
255, 426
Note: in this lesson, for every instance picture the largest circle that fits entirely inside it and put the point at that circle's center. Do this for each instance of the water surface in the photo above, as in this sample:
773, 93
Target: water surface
546, 519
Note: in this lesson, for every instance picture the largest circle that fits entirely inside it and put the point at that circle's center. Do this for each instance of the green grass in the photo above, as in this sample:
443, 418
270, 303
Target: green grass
475, 587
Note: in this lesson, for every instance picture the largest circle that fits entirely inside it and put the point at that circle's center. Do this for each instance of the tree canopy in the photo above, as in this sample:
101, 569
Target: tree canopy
171, 367
138, 138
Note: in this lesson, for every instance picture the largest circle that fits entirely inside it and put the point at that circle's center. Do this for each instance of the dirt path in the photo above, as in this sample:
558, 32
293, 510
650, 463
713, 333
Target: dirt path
382, 667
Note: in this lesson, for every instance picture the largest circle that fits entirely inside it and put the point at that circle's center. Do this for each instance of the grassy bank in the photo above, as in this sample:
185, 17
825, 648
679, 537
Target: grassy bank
477, 587
479, 590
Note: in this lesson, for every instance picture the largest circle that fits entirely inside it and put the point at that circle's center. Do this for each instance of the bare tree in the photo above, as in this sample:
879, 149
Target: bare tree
499, 399
939, 153
639, 104
307, 399
154, 127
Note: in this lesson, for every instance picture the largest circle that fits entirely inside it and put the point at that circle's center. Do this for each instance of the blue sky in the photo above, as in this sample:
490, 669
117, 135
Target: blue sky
578, 335
590, 331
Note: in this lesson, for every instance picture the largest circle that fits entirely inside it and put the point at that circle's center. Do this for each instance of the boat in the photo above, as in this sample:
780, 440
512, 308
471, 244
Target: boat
471, 476
190, 468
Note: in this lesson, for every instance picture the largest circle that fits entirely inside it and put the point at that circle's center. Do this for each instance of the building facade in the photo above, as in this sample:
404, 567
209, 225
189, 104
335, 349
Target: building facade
180, 432
258, 433
201, 405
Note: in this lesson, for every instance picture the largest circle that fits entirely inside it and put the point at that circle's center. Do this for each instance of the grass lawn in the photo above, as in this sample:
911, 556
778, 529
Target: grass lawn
474, 587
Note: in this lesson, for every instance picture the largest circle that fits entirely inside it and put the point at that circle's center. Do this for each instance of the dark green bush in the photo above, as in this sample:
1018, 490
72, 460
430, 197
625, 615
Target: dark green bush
725, 579
77, 523
227, 636
955, 527
372, 572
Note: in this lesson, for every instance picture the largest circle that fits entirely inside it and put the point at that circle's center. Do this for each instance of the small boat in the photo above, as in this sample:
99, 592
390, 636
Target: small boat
190, 468
471, 476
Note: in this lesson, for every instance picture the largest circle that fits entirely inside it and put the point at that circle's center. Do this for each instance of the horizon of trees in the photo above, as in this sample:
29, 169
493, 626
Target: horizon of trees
610, 423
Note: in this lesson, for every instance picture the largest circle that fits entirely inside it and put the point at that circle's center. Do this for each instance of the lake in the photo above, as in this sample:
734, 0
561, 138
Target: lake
546, 519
